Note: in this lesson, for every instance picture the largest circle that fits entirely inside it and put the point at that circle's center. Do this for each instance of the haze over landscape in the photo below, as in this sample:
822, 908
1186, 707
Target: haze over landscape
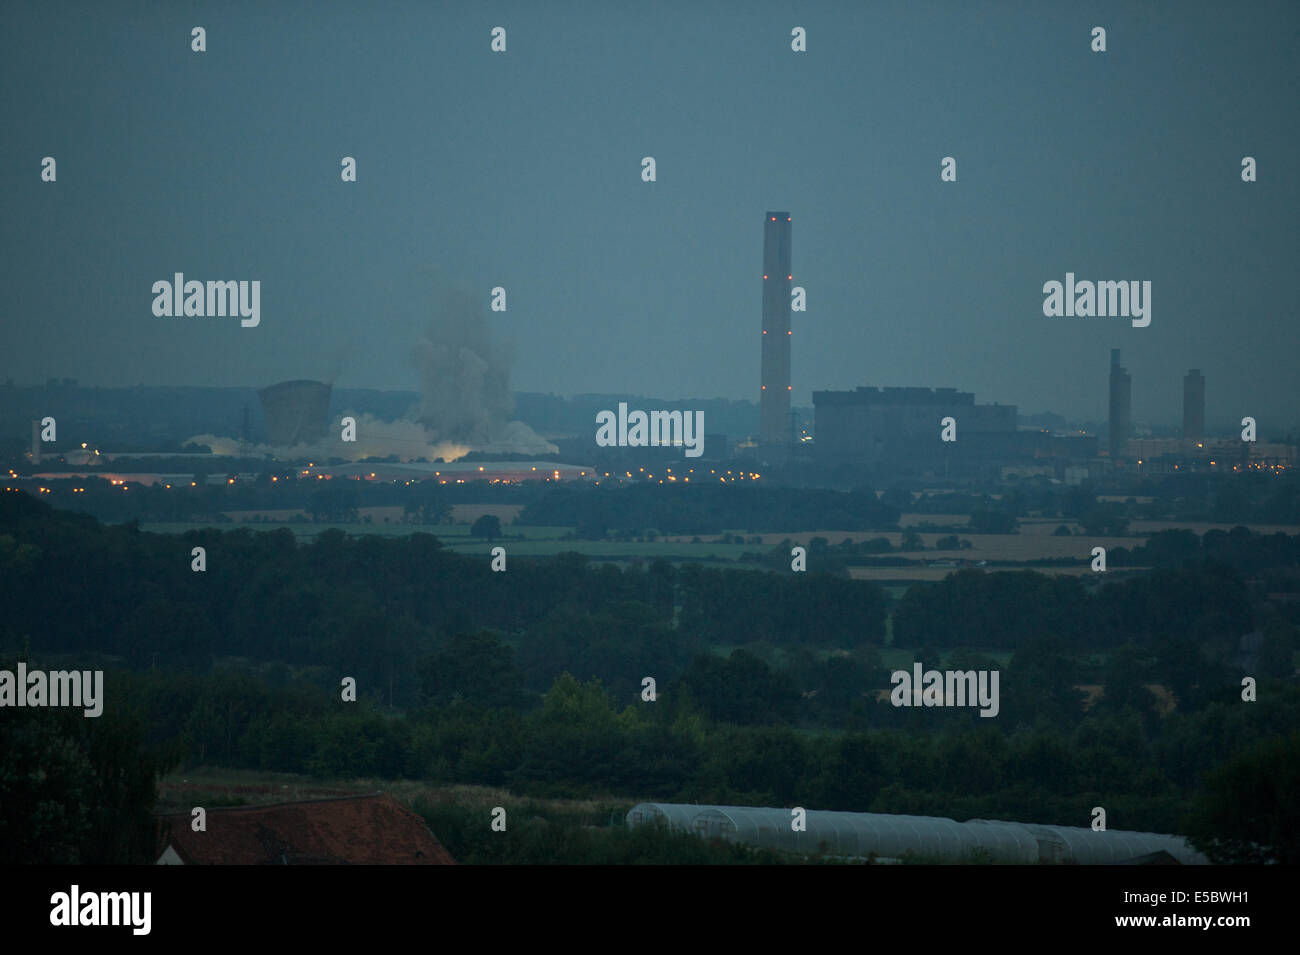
694, 433
523, 171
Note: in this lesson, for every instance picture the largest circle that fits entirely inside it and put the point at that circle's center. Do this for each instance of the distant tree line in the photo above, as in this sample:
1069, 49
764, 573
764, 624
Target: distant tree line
374, 606
1240, 548
702, 507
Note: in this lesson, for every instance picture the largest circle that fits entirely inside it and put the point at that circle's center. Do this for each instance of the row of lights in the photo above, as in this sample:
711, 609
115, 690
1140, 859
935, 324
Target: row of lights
1235, 467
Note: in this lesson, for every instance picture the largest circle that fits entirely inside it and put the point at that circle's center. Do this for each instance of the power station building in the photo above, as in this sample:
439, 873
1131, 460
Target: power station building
899, 430
774, 430
296, 412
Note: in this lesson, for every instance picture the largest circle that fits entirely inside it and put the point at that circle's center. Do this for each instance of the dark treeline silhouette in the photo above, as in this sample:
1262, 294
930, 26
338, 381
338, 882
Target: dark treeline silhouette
374, 606
1251, 497
1240, 548
706, 508
969, 608
532, 679
75, 790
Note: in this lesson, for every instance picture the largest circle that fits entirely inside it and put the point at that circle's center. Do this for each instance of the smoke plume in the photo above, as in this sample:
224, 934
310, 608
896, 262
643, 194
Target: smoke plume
465, 381
465, 399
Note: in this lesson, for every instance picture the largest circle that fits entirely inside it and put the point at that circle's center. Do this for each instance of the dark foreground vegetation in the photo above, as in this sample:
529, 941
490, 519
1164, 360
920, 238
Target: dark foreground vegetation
771, 688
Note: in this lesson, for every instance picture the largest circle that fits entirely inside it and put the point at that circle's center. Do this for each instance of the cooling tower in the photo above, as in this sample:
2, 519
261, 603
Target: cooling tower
296, 412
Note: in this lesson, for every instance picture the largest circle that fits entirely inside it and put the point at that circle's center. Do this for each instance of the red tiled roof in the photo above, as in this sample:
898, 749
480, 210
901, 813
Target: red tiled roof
350, 830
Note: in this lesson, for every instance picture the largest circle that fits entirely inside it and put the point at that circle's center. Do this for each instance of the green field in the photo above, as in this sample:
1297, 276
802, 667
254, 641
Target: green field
448, 532
606, 550
536, 542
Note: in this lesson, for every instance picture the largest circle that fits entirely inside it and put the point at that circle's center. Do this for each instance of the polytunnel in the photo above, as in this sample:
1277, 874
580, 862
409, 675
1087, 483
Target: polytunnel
854, 834
1109, 846
850, 833
887, 836
1005, 841
673, 815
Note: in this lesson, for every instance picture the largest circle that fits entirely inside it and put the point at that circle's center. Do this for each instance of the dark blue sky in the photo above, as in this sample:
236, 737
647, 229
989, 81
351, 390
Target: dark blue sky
523, 170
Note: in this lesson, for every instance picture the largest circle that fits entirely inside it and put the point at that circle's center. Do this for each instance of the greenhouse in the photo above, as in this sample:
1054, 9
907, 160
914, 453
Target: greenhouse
674, 816
887, 836
1090, 847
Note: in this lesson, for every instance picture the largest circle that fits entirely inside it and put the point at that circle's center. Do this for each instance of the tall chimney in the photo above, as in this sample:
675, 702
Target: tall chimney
1194, 406
1121, 405
774, 394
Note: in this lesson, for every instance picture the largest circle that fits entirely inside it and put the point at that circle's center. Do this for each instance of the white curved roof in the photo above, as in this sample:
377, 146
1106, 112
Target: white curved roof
1090, 847
884, 835
673, 815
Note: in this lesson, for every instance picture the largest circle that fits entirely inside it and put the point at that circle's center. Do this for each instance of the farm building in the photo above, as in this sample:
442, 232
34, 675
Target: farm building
349, 830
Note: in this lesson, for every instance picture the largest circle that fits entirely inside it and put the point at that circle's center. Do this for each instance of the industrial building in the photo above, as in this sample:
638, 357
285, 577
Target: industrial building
460, 472
885, 837
296, 412
1172, 455
898, 430
774, 388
